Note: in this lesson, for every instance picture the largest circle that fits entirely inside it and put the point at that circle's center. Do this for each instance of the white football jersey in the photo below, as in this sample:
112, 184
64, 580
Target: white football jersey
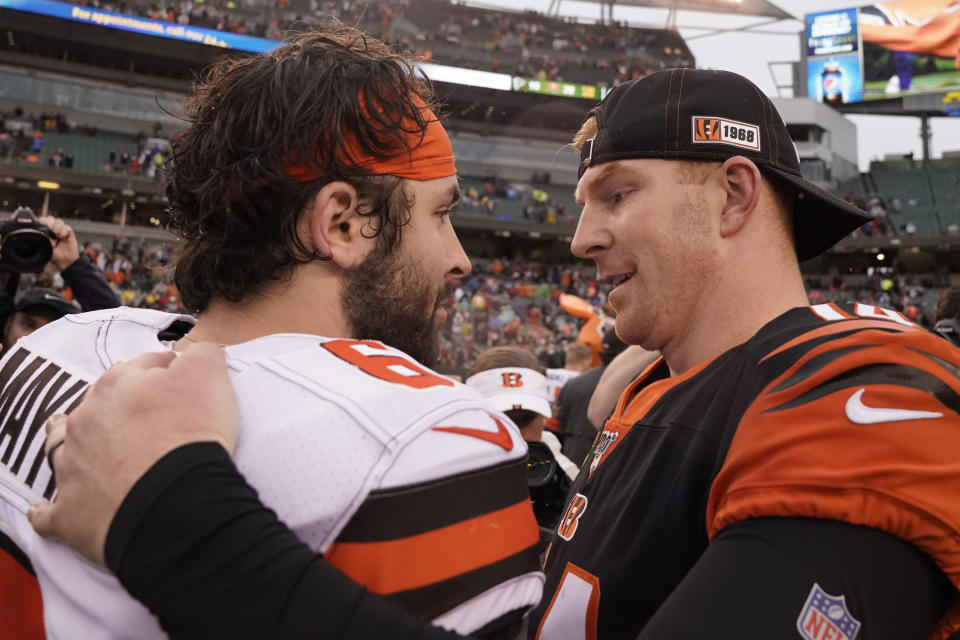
556, 378
333, 433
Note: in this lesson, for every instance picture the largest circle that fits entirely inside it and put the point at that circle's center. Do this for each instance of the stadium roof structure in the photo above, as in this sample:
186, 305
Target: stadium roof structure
767, 11
741, 7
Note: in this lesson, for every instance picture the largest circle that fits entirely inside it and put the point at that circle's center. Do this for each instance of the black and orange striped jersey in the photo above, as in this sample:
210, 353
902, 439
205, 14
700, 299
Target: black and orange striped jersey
832, 412
406, 481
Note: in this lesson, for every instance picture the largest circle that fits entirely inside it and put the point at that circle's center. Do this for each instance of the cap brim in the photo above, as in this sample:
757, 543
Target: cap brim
820, 218
46, 304
513, 400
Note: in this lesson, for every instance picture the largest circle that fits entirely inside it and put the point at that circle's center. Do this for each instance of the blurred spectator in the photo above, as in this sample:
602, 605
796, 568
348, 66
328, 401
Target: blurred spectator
576, 360
513, 381
576, 430
946, 319
34, 308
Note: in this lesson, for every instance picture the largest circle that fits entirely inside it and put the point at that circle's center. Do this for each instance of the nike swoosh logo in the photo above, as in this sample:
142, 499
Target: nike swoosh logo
500, 437
862, 414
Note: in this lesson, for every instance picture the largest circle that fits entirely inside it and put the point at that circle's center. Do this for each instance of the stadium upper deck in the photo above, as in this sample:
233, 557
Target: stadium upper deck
524, 44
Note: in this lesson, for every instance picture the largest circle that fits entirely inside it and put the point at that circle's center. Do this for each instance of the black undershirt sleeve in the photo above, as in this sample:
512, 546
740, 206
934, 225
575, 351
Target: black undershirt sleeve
193, 542
90, 289
753, 582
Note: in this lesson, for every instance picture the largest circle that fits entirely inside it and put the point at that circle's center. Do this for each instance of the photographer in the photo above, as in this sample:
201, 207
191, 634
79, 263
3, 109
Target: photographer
513, 381
36, 307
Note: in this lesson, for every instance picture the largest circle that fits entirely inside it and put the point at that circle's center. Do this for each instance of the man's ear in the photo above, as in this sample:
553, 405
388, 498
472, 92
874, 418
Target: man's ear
334, 225
742, 183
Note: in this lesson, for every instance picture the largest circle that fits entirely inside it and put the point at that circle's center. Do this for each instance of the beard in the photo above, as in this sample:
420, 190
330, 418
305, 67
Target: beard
388, 297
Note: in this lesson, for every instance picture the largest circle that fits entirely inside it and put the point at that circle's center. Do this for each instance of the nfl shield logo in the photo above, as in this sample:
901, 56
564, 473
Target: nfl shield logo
825, 617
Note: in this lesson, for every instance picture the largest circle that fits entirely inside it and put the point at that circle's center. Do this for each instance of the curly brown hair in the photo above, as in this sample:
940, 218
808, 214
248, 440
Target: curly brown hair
948, 306
232, 201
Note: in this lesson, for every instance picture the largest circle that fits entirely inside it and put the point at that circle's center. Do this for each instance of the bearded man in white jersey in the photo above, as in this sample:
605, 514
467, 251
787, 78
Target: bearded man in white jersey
312, 190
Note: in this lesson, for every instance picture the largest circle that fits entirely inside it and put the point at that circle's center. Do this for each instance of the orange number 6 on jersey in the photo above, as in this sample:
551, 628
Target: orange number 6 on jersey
385, 363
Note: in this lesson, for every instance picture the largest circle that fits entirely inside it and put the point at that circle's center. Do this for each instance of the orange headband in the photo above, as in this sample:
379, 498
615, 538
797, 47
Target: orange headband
429, 158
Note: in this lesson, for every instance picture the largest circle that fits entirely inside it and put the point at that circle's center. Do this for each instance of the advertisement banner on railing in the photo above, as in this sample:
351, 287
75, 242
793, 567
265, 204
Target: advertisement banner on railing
559, 88
185, 33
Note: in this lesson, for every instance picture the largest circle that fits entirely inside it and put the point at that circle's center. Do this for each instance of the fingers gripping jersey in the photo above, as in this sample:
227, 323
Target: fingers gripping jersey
846, 413
404, 479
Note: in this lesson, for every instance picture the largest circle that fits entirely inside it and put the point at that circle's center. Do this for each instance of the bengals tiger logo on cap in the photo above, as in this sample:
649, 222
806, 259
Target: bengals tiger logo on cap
512, 380
716, 130
706, 130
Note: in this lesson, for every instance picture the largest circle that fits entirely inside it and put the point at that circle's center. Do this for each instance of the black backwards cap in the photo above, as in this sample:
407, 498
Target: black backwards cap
612, 345
697, 114
40, 297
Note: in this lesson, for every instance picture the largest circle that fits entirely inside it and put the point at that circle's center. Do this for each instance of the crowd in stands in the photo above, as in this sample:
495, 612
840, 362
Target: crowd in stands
905, 199
528, 44
514, 302
221, 15
23, 137
501, 302
535, 201
148, 160
883, 224
137, 273
914, 298
533, 45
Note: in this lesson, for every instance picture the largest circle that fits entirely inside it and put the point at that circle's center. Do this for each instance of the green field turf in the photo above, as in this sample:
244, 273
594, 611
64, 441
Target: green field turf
931, 83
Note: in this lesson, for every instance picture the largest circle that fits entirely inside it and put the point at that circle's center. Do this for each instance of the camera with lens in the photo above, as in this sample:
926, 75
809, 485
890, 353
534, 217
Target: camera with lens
548, 485
25, 243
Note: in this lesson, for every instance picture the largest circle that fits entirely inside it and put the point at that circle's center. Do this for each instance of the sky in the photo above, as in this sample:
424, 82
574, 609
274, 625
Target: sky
750, 54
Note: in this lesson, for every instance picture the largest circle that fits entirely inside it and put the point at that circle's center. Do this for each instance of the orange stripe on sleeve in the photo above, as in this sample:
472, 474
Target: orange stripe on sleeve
836, 307
840, 327
812, 460
427, 558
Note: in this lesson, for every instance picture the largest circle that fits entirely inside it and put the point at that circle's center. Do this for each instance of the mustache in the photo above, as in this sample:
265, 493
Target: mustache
446, 291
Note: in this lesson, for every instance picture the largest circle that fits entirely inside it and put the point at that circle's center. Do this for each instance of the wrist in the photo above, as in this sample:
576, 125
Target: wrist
63, 264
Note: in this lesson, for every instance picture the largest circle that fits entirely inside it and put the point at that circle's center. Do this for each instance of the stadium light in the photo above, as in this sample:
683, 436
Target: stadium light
46, 184
880, 257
